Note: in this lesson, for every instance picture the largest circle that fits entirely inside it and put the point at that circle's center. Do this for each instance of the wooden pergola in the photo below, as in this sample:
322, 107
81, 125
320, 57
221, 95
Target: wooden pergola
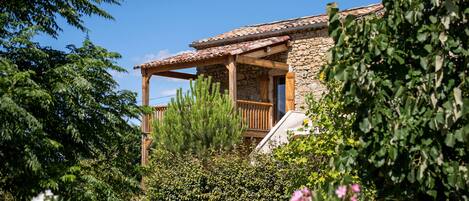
251, 53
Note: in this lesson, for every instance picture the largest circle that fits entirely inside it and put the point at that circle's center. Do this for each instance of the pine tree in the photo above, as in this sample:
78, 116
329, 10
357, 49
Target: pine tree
200, 121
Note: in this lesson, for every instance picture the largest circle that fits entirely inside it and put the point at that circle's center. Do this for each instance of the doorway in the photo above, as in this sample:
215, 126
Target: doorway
279, 98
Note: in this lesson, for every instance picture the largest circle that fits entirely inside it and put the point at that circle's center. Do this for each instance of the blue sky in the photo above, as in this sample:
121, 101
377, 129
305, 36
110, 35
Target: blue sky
151, 29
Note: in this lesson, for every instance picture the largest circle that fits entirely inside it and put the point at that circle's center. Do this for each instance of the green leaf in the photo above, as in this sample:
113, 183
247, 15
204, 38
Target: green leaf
438, 63
457, 96
424, 62
459, 136
399, 92
432, 193
433, 19
410, 16
365, 125
421, 172
68, 178
411, 176
422, 36
443, 37
445, 21
399, 59
439, 78
450, 140
393, 153
428, 48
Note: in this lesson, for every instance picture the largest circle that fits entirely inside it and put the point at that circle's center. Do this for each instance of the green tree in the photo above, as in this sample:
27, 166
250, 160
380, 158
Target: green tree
17, 15
404, 73
64, 125
200, 121
62, 116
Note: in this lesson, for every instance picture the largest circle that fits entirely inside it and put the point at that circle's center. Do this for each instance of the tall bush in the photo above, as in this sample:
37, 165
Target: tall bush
404, 73
200, 121
227, 176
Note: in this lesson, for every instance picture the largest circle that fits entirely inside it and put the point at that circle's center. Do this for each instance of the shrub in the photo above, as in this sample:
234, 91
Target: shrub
321, 152
404, 74
228, 176
200, 121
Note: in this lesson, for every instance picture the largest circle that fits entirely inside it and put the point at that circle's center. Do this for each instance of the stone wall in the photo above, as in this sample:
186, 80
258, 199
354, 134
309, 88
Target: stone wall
247, 79
307, 54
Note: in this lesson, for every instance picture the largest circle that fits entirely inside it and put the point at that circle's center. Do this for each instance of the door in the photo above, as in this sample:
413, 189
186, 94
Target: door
279, 98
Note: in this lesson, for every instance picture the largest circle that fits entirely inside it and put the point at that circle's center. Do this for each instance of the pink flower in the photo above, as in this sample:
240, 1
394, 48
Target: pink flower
353, 198
297, 196
341, 191
356, 188
306, 192
301, 195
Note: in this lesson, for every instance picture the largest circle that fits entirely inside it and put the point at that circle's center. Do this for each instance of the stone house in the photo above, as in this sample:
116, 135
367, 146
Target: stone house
267, 68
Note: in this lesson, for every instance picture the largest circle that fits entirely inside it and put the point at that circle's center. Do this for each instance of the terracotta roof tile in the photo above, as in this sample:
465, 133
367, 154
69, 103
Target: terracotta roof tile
283, 25
219, 51
253, 37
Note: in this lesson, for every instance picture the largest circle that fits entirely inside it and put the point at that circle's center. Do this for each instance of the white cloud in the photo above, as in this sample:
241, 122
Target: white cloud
170, 79
162, 54
156, 56
168, 92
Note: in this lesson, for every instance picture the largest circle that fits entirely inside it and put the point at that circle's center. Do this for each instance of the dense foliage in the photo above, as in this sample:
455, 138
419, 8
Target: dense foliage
319, 150
63, 123
60, 111
404, 74
228, 176
17, 15
200, 121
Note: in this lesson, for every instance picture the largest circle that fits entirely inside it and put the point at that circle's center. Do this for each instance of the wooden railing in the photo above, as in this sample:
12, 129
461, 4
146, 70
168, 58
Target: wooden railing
159, 112
257, 115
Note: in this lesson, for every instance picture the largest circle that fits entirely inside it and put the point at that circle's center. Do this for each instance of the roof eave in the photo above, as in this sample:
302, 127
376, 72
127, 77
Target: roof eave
214, 43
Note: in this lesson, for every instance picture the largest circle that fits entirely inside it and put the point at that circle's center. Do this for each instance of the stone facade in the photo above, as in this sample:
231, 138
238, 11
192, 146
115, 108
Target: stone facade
306, 55
247, 79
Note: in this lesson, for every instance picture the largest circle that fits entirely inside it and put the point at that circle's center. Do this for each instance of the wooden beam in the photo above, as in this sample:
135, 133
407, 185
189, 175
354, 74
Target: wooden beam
267, 51
173, 74
145, 118
290, 91
168, 67
261, 62
231, 66
255, 133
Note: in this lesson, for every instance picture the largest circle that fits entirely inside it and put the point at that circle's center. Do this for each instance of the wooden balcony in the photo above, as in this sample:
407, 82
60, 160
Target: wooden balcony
257, 116
159, 112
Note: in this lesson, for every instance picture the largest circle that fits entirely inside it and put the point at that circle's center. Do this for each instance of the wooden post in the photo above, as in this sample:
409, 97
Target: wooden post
145, 118
231, 66
290, 91
271, 100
